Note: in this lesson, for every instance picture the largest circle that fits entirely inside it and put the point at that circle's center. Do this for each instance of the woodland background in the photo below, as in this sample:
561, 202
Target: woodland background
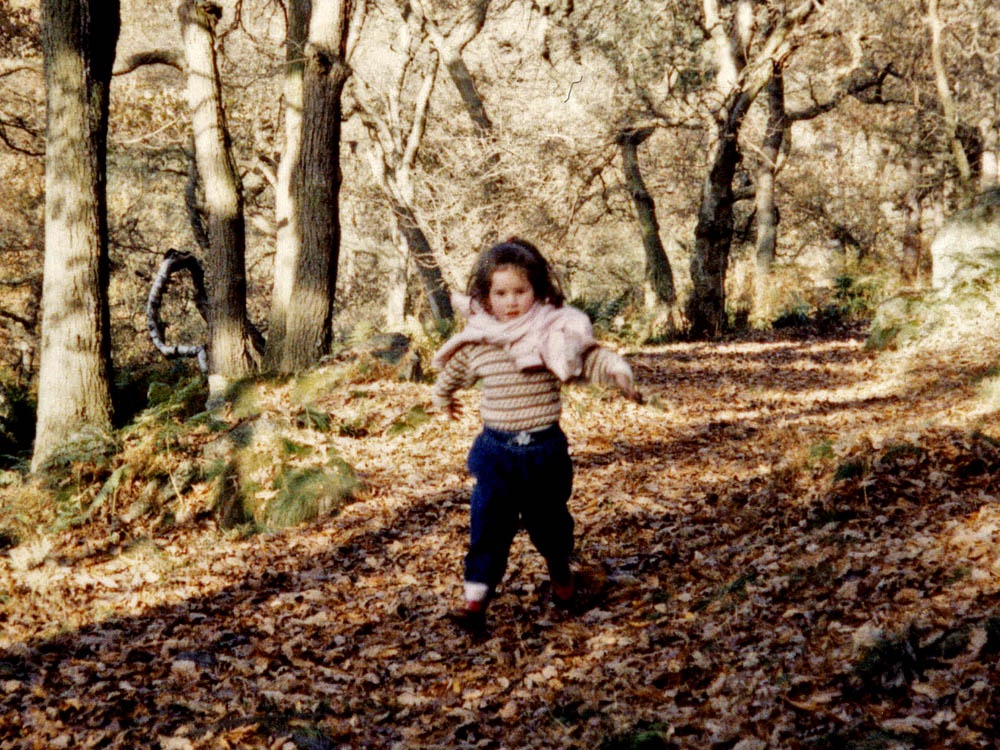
793, 543
863, 180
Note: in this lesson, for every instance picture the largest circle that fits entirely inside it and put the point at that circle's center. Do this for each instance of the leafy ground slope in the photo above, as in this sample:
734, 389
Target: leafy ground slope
784, 548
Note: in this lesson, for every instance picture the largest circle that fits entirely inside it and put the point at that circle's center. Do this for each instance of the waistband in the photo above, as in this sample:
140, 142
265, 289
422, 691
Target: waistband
524, 437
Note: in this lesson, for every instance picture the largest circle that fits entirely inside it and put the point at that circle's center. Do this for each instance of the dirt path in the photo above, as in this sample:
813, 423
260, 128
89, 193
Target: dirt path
781, 548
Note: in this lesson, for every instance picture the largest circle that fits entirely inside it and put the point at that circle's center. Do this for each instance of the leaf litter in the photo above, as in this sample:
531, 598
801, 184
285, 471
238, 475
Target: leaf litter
782, 548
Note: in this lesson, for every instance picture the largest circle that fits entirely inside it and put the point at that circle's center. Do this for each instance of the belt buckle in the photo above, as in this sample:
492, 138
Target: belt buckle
522, 438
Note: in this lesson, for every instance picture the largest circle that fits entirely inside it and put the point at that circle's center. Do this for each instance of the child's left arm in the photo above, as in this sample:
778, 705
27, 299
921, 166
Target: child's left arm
603, 366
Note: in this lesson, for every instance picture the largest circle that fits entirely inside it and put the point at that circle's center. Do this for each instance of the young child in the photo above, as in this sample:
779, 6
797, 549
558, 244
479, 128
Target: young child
522, 343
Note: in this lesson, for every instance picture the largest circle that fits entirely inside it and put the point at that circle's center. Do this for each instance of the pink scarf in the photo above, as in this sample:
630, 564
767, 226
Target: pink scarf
556, 338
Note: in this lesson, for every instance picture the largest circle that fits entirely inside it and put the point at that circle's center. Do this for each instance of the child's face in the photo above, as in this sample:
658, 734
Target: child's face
511, 293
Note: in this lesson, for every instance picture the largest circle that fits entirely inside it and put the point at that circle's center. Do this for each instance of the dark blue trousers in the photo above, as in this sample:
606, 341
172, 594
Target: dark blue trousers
521, 478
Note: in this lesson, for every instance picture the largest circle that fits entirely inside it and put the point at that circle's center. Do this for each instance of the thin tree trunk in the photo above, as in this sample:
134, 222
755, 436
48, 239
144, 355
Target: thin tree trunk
914, 258
944, 94
438, 296
398, 273
659, 275
74, 394
233, 346
311, 249
392, 162
449, 48
287, 240
466, 85
766, 205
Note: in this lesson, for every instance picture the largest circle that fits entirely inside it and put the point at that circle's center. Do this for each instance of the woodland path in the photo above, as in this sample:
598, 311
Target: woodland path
783, 548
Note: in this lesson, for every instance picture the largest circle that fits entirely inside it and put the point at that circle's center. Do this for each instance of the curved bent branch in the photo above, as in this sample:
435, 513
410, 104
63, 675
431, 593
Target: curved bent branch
168, 57
174, 261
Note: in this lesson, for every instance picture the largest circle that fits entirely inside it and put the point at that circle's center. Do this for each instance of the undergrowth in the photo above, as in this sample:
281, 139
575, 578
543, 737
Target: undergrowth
259, 461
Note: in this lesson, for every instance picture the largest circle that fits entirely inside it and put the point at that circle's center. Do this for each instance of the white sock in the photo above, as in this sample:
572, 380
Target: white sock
475, 591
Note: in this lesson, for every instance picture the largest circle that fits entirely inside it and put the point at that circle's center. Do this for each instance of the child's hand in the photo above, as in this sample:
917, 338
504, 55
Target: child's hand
454, 409
627, 387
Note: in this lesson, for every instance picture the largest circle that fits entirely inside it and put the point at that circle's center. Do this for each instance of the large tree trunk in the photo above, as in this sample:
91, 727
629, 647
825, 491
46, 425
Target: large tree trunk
311, 249
233, 343
713, 235
74, 395
659, 276
766, 205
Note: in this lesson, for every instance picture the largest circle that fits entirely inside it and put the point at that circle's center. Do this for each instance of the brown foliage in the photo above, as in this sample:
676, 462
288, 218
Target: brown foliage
779, 552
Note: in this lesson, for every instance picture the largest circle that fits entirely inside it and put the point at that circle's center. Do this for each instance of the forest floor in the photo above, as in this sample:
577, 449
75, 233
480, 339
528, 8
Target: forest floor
787, 546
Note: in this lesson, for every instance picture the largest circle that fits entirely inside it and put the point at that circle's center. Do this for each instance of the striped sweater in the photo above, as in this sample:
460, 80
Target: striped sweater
515, 400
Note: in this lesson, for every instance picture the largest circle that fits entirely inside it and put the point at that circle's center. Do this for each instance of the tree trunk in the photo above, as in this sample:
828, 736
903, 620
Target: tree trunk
311, 250
713, 235
438, 296
766, 206
74, 394
944, 94
397, 272
233, 345
466, 85
449, 48
450, 53
659, 275
714, 230
392, 159
287, 240
914, 259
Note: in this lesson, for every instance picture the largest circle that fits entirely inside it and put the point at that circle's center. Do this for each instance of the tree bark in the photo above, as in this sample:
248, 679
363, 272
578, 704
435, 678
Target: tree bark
392, 161
74, 394
944, 94
233, 343
287, 240
914, 259
714, 230
438, 296
713, 236
310, 248
449, 48
766, 205
659, 275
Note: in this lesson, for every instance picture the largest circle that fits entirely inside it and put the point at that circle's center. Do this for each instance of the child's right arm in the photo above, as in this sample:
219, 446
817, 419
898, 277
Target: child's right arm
457, 374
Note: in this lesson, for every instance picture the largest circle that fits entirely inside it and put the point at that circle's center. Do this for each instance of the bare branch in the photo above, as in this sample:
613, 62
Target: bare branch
26, 281
9, 69
174, 261
28, 324
420, 117
6, 140
169, 57
853, 85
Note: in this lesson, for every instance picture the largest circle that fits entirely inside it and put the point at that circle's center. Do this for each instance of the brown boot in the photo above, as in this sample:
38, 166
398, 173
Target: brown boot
564, 594
470, 617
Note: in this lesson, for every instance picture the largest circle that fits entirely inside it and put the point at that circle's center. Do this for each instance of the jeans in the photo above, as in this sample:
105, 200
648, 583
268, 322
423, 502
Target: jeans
527, 478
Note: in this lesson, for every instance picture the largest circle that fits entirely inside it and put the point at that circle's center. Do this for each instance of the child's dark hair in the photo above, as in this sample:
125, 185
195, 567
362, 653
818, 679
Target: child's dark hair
523, 255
